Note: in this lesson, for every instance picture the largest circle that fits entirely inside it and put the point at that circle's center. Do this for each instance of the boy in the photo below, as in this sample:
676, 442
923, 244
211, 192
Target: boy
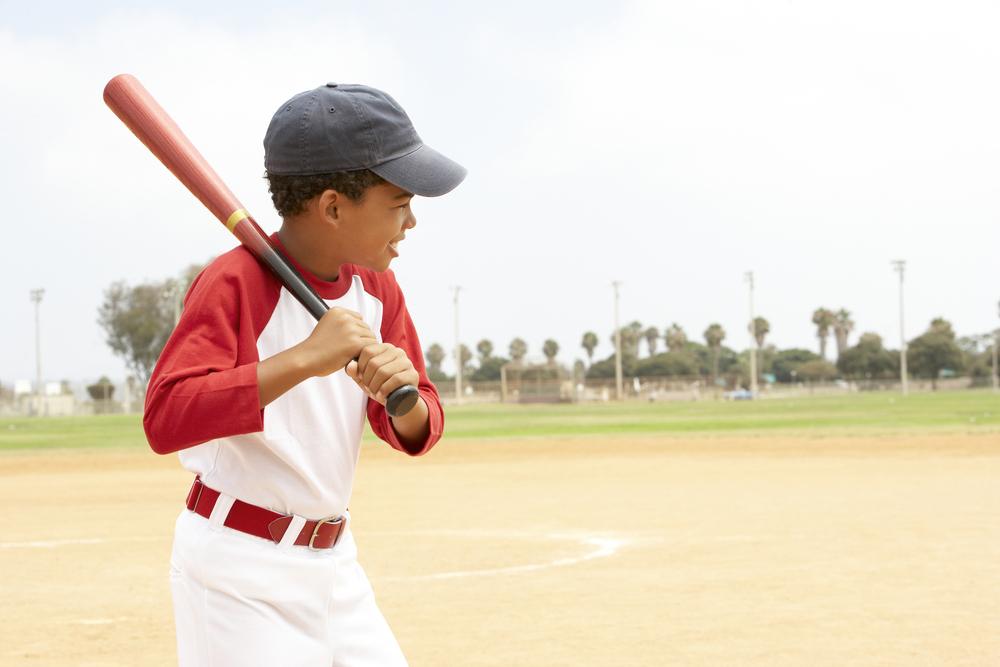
266, 406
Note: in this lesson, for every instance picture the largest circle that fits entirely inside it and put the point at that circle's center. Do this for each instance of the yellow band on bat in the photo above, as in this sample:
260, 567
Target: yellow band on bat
234, 219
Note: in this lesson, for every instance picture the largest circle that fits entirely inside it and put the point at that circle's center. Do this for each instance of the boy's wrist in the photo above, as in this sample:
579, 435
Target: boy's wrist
413, 428
302, 361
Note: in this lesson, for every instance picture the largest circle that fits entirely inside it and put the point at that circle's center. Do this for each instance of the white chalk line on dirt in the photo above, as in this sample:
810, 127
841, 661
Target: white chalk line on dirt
599, 546
100, 621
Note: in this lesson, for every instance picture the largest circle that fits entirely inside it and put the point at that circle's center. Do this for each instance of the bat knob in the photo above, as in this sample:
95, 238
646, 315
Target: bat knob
401, 401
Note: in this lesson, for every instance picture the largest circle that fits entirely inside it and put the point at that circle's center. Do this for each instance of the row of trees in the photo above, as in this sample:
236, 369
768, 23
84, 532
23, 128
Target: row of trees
488, 365
138, 320
827, 321
935, 353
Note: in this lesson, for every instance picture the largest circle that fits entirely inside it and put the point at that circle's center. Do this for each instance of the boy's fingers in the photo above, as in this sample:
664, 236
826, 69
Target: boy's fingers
392, 384
369, 352
389, 377
352, 372
374, 369
364, 340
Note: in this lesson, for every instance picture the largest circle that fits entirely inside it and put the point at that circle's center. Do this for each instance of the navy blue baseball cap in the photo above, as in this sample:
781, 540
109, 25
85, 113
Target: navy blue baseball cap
346, 127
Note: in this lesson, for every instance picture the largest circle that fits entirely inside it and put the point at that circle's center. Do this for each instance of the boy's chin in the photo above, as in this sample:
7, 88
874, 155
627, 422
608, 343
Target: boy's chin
380, 265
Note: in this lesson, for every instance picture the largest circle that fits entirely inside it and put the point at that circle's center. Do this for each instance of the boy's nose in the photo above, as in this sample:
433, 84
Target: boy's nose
411, 221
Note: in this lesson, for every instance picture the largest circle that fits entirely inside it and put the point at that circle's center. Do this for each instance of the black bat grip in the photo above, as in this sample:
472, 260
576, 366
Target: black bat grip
400, 401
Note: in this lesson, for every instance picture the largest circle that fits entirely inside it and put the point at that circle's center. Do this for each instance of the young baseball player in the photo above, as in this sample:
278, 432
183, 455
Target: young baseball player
266, 406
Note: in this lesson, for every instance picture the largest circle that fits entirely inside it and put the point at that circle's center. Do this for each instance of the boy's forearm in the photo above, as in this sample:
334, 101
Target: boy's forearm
278, 374
413, 427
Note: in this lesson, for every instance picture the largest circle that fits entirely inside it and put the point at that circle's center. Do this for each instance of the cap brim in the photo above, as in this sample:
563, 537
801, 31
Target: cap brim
423, 172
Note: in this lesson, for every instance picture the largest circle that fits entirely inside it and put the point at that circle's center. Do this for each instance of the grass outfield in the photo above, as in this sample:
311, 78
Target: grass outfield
862, 414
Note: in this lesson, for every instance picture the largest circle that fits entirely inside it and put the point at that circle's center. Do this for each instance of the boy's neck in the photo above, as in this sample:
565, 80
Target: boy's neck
308, 251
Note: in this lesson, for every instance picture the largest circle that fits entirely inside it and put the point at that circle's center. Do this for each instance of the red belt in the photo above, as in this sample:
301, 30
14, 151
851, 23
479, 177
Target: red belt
264, 523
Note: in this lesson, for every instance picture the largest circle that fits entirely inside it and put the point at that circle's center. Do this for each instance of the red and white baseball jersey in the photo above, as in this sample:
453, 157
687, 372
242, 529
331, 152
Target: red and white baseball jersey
298, 454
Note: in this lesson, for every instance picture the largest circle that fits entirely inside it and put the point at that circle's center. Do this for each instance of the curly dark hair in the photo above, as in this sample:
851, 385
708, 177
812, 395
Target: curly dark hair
290, 193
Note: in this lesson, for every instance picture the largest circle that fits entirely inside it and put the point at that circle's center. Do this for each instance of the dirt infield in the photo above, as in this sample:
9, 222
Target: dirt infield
648, 551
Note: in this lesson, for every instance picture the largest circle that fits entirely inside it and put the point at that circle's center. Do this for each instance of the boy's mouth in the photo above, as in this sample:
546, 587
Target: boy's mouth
393, 245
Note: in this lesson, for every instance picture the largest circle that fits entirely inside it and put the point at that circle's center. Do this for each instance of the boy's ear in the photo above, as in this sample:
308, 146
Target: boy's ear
327, 203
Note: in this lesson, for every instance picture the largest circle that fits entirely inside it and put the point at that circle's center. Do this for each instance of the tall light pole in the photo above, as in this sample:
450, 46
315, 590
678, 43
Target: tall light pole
458, 351
618, 345
36, 297
753, 340
900, 267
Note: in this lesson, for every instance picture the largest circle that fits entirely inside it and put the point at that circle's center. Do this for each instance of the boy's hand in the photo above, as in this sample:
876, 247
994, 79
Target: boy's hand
381, 369
336, 339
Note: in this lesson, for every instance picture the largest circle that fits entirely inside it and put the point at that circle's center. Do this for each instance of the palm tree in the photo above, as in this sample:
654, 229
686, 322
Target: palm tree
714, 335
823, 319
465, 354
550, 349
630, 339
842, 327
652, 334
588, 343
435, 355
761, 328
518, 348
485, 349
676, 338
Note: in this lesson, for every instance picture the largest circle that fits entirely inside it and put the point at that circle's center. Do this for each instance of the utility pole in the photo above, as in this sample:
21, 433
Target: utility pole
753, 341
458, 351
618, 345
36, 298
900, 266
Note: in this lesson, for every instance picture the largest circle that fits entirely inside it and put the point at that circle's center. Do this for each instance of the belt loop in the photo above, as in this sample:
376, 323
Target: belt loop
194, 495
292, 531
221, 509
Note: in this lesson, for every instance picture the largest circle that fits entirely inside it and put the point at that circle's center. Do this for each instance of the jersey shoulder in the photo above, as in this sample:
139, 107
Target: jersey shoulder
236, 286
237, 268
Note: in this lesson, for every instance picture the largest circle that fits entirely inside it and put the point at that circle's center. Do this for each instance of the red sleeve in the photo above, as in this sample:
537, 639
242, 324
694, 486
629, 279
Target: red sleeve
204, 385
397, 328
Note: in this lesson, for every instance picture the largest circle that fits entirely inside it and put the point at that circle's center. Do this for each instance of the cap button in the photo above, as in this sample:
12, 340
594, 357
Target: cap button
331, 85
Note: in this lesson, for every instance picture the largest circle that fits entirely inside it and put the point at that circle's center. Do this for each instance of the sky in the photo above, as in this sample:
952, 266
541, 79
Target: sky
670, 146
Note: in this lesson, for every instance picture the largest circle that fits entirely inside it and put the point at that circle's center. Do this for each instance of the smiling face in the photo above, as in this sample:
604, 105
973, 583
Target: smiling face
333, 229
373, 227
370, 229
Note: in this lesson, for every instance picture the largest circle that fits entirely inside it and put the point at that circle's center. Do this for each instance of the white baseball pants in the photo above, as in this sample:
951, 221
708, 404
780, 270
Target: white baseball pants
243, 601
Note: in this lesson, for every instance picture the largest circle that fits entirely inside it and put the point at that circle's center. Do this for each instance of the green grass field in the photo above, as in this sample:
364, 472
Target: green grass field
858, 414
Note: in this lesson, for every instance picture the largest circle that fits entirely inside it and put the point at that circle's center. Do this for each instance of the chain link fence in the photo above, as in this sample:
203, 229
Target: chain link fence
124, 397
673, 388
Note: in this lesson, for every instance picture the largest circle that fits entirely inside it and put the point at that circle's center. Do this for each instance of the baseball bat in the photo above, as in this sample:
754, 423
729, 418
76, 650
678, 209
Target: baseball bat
133, 104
